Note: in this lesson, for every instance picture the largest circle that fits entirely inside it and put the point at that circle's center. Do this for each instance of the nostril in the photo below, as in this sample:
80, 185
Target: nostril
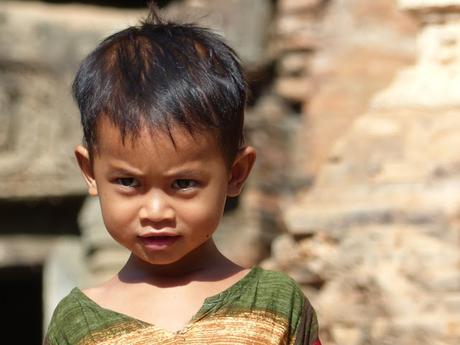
157, 224
156, 209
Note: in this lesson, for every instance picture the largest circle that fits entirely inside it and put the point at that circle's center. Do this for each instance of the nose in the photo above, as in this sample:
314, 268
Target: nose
156, 208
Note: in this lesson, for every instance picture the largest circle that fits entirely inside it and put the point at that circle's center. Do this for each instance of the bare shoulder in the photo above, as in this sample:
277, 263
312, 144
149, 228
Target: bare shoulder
235, 277
92, 292
101, 293
220, 280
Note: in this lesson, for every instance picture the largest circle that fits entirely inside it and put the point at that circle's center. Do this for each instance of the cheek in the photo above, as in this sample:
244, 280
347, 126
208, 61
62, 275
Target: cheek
204, 214
117, 216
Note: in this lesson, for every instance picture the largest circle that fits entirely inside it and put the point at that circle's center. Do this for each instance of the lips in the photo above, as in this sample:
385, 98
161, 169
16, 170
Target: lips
158, 241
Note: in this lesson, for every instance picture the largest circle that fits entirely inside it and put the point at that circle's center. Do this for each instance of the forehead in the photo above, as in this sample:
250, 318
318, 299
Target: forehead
175, 143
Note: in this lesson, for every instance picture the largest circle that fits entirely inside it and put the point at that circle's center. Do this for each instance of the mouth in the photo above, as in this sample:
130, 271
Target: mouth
156, 242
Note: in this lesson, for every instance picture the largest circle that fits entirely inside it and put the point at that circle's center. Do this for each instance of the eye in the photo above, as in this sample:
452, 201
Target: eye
184, 184
127, 182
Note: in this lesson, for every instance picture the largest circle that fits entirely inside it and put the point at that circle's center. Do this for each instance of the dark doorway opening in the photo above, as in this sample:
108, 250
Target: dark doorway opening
114, 3
21, 301
44, 216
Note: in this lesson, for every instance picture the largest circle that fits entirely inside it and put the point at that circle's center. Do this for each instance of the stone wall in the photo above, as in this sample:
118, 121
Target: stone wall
332, 57
376, 240
42, 46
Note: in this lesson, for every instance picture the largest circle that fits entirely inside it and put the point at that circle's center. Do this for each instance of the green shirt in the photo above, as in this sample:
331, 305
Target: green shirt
264, 307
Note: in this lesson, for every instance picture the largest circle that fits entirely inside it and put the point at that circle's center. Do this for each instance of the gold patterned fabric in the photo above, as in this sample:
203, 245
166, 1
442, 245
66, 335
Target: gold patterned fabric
264, 307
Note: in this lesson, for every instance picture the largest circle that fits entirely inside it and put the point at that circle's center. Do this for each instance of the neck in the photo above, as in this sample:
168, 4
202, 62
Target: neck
202, 263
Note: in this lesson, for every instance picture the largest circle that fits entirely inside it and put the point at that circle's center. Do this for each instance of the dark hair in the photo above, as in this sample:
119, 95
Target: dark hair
163, 74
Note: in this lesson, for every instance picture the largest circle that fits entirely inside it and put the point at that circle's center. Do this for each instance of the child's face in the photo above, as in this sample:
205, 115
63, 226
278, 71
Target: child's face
160, 199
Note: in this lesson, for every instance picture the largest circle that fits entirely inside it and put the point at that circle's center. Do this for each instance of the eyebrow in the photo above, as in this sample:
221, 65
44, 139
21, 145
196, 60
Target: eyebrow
185, 172
124, 169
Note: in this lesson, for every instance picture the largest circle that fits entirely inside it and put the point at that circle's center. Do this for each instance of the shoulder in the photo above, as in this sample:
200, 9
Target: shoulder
276, 279
279, 292
67, 315
284, 296
76, 316
70, 306
278, 283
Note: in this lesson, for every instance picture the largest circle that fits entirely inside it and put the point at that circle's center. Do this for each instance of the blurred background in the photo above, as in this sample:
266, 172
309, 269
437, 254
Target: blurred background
355, 113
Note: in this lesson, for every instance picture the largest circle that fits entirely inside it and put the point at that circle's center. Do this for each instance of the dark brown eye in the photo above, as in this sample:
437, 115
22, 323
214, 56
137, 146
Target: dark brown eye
184, 184
127, 182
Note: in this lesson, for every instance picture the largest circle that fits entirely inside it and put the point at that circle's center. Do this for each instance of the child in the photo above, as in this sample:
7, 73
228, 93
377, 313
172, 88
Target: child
162, 109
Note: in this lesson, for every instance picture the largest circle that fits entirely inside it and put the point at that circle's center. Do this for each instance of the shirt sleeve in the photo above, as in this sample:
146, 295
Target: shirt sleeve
54, 336
307, 327
49, 340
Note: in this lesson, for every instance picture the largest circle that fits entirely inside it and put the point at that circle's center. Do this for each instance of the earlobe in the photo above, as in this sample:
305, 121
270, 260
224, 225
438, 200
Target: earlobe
84, 161
240, 170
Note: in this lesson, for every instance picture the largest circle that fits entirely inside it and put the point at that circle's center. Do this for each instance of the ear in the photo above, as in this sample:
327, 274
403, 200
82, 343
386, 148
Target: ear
83, 159
240, 170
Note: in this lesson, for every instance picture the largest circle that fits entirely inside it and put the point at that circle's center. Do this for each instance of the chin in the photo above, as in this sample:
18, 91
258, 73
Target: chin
159, 261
